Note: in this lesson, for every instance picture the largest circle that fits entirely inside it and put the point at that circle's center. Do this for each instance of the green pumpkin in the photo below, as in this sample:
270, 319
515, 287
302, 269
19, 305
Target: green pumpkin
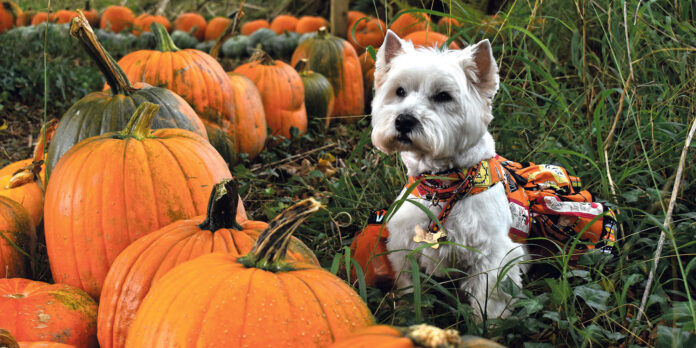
183, 40
205, 46
319, 95
107, 111
235, 47
282, 46
146, 41
262, 36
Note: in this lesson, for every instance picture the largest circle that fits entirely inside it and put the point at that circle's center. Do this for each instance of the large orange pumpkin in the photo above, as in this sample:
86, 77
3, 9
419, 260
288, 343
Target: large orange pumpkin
149, 258
366, 32
250, 27
9, 12
258, 300
429, 38
110, 190
415, 336
310, 24
284, 23
38, 311
282, 93
18, 239
249, 116
216, 27
144, 21
337, 60
196, 77
408, 22
186, 22
117, 18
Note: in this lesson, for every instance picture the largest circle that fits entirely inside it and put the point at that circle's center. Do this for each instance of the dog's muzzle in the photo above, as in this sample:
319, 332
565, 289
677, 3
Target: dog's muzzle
404, 124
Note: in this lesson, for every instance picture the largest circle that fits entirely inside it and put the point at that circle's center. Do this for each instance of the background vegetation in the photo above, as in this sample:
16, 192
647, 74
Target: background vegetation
604, 88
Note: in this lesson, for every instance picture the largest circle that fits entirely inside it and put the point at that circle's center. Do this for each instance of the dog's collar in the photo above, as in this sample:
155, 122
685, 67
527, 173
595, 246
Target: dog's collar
448, 187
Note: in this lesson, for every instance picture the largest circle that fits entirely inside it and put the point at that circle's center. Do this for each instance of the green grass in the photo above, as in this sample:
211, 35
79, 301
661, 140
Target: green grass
569, 70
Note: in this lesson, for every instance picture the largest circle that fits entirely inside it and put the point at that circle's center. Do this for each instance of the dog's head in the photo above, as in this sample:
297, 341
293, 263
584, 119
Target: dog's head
430, 101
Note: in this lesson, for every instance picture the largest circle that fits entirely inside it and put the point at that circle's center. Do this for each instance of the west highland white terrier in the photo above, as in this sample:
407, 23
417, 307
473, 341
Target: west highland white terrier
434, 107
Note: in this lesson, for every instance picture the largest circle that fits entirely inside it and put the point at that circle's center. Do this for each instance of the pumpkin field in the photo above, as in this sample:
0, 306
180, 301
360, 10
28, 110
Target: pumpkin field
194, 173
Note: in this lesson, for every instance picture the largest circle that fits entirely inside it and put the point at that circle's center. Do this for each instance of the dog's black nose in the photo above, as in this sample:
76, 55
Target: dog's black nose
405, 123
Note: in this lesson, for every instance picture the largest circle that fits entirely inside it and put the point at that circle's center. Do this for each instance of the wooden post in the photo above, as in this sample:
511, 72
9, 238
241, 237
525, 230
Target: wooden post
339, 18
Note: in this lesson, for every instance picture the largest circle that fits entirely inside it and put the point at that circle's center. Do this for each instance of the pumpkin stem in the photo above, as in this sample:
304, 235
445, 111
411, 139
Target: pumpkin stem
140, 124
87, 7
7, 340
222, 207
262, 57
164, 41
322, 32
428, 336
272, 245
302, 66
115, 77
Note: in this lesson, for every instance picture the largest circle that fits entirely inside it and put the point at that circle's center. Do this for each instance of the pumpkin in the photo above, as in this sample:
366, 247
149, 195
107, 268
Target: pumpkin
250, 27
17, 238
415, 336
21, 182
196, 77
428, 38
104, 194
235, 47
216, 27
117, 19
286, 304
309, 24
281, 91
144, 21
283, 46
149, 258
38, 311
91, 14
319, 96
65, 16
9, 13
284, 23
24, 18
448, 23
188, 21
408, 22
101, 112
368, 69
183, 40
366, 32
260, 38
249, 116
8, 341
41, 17
354, 16
336, 59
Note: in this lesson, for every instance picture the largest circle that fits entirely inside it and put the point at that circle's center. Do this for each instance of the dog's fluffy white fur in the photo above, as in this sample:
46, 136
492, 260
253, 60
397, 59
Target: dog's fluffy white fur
450, 131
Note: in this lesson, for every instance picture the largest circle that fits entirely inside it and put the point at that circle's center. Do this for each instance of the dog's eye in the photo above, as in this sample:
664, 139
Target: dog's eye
442, 97
400, 92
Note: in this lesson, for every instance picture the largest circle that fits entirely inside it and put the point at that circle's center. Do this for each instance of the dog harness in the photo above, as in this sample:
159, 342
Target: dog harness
550, 212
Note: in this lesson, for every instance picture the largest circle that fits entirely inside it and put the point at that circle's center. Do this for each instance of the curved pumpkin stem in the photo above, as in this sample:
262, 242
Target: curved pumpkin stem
272, 245
302, 67
140, 124
262, 57
115, 77
7, 340
164, 41
222, 207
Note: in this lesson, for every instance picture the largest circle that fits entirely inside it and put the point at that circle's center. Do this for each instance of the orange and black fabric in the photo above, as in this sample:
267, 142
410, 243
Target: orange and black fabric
550, 210
369, 249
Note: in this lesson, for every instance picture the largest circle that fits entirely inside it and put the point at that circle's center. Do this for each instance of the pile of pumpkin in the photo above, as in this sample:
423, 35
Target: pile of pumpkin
141, 215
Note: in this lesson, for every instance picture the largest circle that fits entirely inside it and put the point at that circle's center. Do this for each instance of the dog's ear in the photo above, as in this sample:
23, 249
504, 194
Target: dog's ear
391, 47
481, 67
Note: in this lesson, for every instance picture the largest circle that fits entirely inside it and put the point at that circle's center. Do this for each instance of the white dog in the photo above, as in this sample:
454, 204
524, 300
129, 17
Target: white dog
434, 108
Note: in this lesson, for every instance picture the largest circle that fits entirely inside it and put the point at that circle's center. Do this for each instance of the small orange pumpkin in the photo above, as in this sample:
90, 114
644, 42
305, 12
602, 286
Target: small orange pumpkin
145, 261
368, 32
250, 27
284, 23
24, 19
38, 311
91, 14
353, 16
18, 237
41, 17
144, 21
408, 22
187, 21
429, 38
65, 16
310, 24
216, 27
117, 19
282, 93
286, 304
